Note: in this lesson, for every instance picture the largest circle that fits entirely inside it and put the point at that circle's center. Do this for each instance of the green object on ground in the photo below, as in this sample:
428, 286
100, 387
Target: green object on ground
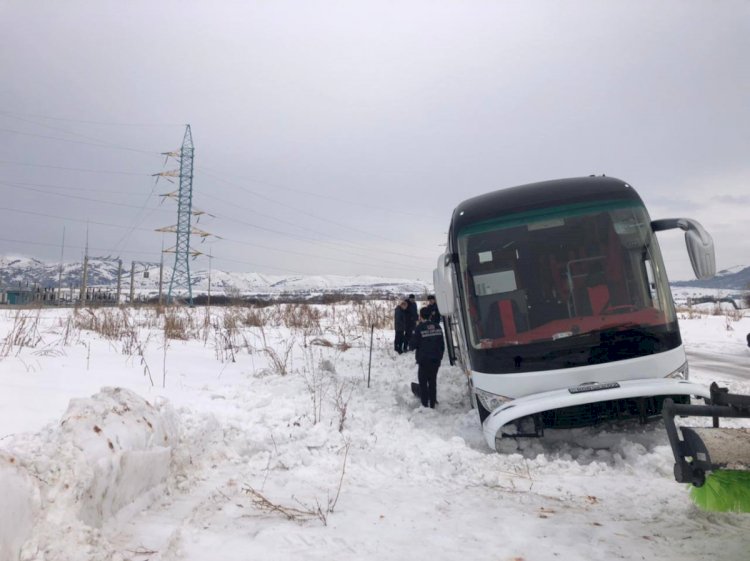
724, 491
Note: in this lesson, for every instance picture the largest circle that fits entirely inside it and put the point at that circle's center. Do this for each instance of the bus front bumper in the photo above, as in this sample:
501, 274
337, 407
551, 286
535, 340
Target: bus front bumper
502, 420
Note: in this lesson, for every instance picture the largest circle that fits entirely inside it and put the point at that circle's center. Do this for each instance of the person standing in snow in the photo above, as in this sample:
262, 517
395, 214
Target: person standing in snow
428, 343
399, 325
411, 318
433, 308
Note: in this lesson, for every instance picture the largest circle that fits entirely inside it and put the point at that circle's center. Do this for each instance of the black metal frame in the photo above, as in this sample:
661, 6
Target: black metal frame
721, 404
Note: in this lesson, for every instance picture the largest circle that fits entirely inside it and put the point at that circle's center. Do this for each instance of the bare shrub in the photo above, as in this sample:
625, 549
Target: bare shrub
306, 512
254, 317
175, 325
232, 319
373, 312
112, 323
320, 342
317, 382
228, 341
279, 363
141, 354
302, 316
734, 315
68, 330
342, 395
264, 504
23, 333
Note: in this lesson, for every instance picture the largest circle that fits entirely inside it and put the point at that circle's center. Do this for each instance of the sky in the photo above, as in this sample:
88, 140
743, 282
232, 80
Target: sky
336, 137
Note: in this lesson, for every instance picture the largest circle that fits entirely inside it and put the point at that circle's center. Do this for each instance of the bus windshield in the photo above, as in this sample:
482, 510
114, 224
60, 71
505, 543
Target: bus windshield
562, 276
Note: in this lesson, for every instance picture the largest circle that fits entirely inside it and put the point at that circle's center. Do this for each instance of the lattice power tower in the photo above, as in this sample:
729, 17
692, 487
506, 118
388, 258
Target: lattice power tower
180, 280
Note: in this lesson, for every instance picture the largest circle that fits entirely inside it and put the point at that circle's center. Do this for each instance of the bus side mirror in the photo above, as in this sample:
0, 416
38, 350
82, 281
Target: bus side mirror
700, 248
442, 278
700, 245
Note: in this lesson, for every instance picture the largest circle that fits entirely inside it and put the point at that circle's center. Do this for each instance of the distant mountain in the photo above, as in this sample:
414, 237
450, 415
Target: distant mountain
24, 272
734, 278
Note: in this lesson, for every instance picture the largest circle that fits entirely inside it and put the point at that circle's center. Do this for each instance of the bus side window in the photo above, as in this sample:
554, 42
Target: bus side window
652, 284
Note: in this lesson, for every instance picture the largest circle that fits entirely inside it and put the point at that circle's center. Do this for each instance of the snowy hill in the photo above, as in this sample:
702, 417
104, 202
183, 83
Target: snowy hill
734, 278
24, 271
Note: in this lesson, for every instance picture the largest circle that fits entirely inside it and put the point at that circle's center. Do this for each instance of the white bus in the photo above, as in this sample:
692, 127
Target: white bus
557, 306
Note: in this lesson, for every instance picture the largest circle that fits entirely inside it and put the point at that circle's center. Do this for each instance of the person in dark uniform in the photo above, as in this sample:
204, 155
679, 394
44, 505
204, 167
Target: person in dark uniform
432, 306
748, 339
428, 343
399, 325
411, 318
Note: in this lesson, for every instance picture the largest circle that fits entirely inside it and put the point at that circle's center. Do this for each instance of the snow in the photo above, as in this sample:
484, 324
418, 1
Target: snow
245, 442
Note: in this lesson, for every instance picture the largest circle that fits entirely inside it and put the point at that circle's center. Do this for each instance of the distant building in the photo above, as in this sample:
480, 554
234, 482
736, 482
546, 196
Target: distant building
19, 296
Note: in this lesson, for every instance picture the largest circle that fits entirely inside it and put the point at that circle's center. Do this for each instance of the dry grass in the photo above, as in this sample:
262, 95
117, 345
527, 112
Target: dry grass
23, 333
177, 324
303, 512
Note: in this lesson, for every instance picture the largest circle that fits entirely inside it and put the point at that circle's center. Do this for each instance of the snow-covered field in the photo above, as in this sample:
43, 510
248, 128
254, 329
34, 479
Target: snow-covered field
259, 438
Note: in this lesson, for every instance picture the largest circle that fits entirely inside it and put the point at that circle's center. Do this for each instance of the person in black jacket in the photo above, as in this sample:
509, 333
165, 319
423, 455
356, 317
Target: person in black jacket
432, 306
429, 346
412, 317
399, 325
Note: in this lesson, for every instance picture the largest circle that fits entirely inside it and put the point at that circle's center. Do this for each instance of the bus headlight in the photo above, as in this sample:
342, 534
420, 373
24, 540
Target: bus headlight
491, 401
681, 373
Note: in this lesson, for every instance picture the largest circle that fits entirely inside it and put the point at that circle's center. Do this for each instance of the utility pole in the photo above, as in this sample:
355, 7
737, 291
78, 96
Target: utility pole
146, 265
181, 280
119, 281
84, 279
132, 281
161, 276
59, 272
210, 259
85, 276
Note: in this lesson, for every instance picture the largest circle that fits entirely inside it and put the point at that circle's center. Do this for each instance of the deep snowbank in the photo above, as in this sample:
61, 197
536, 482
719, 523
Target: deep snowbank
20, 505
107, 451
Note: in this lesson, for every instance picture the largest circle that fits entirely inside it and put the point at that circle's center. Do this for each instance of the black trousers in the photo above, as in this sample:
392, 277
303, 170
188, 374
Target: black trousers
427, 375
401, 343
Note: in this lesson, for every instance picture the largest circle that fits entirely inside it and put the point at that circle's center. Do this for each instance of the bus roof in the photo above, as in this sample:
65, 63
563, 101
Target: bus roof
541, 195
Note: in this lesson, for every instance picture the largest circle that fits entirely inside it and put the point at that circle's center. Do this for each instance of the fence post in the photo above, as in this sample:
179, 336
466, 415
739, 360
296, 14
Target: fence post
369, 366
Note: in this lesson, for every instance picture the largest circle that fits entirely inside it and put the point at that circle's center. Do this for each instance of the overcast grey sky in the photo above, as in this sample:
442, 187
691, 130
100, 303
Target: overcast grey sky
336, 137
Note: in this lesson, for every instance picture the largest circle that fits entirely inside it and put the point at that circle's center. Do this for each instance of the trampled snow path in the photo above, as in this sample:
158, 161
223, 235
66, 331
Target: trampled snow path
417, 484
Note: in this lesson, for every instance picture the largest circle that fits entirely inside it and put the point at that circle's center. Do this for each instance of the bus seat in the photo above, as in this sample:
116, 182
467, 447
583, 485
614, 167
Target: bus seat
598, 298
504, 320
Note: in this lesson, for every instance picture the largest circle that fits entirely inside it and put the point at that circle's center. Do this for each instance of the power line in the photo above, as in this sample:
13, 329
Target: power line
103, 123
27, 242
373, 261
108, 172
78, 197
139, 215
319, 195
332, 243
99, 145
62, 187
292, 252
69, 219
64, 131
111, 250
306, 213
241, 242
143, 207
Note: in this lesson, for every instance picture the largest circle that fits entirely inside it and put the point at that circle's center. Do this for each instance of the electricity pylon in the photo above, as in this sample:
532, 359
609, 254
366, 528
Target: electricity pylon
180, 280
